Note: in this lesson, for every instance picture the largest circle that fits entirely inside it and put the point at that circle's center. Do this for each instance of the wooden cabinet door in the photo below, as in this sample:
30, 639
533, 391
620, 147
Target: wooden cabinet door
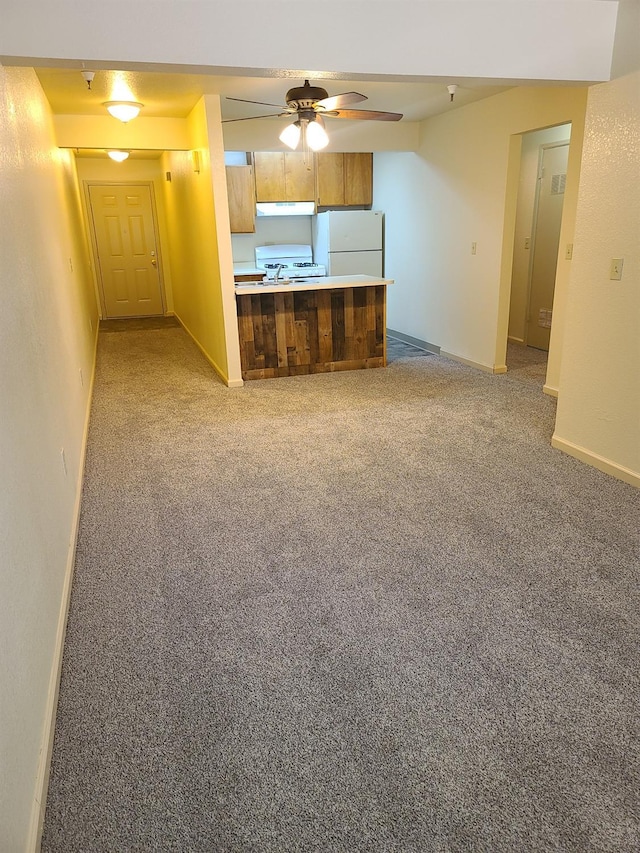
358, 178
344, 179
284, 176
299, 176
269, 173
330, 179
242, 199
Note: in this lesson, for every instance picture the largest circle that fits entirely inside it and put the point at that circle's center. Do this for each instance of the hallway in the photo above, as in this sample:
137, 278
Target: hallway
363, 611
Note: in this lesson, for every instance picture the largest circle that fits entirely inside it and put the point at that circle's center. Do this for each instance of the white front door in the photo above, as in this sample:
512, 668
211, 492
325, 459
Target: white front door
125, 238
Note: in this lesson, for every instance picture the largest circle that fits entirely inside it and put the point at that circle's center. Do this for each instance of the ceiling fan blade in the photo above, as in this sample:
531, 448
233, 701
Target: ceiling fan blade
250, 118
367, 114
337, 101
262, 103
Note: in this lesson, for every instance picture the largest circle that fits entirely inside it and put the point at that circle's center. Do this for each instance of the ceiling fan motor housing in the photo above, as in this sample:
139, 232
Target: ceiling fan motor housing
303, 97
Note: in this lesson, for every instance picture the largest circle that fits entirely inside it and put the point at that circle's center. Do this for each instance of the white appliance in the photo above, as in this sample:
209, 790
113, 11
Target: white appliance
348, 242
287, 260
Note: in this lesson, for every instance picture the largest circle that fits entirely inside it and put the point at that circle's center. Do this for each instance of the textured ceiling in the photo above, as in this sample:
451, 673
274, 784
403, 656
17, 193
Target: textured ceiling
174, 95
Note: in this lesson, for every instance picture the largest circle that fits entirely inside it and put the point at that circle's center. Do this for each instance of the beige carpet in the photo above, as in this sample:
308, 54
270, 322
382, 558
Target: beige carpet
366, 611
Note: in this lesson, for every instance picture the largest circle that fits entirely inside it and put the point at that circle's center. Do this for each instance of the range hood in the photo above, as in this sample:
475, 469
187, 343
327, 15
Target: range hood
285, 208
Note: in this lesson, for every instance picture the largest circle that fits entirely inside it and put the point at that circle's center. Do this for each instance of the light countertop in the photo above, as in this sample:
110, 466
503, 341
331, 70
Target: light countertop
247, 269
325, 282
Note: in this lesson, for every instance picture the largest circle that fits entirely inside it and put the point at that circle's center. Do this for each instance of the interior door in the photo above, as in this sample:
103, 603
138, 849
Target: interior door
125, 239
546, 240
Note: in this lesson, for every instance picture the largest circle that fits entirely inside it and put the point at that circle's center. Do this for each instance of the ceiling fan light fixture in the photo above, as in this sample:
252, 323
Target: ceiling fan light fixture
316, 135
291, 135
123, 110
118, 156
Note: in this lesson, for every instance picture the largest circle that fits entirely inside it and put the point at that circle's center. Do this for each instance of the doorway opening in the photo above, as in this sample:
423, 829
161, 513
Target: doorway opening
543, 169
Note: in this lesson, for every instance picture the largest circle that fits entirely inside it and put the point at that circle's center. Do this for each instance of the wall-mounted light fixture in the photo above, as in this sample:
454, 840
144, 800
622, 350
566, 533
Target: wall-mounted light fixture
123, 110
118, 156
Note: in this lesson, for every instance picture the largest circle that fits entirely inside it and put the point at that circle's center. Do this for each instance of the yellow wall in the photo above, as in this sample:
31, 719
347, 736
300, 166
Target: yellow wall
78, 131
93, 169
599, 397
199, 243
48, 326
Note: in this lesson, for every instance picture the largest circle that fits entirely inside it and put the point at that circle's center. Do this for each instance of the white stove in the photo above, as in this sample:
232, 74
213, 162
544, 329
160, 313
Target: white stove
294, 260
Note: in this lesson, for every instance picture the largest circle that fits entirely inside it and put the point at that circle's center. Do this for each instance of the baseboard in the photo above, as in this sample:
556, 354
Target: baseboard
550, 390
416, 342
596, 461
499, 368
36, 825
230, 383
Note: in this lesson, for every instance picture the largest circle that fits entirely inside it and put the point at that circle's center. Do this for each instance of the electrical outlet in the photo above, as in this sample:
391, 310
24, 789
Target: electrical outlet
474, 247
568, 254
527, 242
615, 271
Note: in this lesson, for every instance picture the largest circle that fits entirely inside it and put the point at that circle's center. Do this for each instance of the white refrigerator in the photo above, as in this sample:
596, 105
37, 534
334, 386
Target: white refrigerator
348, 242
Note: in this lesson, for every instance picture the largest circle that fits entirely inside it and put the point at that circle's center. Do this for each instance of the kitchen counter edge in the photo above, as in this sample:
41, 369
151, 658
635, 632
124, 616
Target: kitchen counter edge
327, 282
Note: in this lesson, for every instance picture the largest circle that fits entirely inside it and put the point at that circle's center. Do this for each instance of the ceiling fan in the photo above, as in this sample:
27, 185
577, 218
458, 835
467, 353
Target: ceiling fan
311, 104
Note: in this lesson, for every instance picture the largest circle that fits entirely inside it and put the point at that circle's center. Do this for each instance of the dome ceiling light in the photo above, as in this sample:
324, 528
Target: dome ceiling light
118, 156
123, 110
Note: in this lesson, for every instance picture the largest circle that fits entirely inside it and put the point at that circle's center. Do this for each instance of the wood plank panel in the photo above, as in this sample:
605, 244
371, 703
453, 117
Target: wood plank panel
302, 341
359, 322
337, 324
325, 332
290, 329
300, 332
269, 330
314, 336
281, 330
348, 323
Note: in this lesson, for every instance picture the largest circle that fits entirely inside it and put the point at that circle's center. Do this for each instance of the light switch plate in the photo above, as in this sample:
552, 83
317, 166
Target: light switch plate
615, 271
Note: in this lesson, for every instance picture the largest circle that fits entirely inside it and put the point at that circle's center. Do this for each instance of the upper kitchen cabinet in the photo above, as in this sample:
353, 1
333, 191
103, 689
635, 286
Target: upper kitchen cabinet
344, 180
242, 199
284, 176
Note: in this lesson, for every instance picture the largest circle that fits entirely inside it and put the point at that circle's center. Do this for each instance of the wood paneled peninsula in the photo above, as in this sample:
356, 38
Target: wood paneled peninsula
313, 325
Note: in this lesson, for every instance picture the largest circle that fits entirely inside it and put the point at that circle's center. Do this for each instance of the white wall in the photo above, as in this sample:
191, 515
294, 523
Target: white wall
467, 38
343, 135
48, 325
455, 191
269, 230
599, 402
527, 186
